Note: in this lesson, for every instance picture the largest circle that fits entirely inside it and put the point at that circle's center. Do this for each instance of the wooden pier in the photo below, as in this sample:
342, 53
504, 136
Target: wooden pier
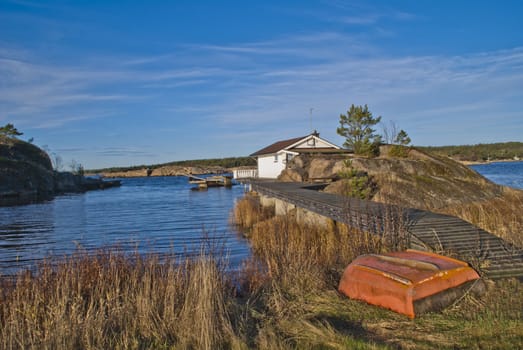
425, 230
212, 181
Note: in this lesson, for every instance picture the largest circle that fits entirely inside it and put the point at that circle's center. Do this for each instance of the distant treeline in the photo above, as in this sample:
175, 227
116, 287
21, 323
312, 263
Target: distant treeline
480, 152
230, 162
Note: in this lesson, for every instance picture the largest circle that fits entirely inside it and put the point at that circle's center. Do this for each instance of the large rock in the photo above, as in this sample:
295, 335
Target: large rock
26, 175
321, 168
418, 180
66, 182
16, 150
292, 175
24, 182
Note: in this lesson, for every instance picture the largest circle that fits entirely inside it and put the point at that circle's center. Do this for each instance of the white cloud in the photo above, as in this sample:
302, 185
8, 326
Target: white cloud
258, 85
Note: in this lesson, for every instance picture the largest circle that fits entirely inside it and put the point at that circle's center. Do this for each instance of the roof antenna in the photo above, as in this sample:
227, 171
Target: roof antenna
310, 113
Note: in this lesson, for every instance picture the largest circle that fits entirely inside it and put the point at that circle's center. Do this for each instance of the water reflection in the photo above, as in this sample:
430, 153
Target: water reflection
24, 233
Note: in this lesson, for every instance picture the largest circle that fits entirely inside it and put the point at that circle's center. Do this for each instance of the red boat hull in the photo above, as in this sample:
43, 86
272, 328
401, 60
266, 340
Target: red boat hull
406, 281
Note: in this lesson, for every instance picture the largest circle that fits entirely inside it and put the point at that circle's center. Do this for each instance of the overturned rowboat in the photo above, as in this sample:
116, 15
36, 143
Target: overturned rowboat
409, 282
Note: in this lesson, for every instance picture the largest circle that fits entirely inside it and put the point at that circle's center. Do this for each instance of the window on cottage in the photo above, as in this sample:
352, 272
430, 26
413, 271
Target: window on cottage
276, 158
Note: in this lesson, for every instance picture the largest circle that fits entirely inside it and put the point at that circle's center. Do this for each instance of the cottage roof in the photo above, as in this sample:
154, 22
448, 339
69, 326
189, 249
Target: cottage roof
291, 143
277, 146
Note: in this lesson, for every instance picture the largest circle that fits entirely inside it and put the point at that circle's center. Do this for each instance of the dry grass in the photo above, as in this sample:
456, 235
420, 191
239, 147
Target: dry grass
114, 301
284, 297
501, 216
293, 265
299, 256
248, 211
295, 303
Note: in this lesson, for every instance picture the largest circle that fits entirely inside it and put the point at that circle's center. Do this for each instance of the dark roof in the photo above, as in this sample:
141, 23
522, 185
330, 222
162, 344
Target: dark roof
277, 146
322, 150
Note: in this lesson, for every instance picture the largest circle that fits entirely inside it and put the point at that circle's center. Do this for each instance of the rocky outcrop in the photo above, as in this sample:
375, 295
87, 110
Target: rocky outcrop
27, 176
293, 175
26, 173
418, 180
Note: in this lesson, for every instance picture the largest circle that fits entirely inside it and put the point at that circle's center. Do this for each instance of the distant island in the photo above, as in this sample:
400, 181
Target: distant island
178, 168
502, 151
483, 152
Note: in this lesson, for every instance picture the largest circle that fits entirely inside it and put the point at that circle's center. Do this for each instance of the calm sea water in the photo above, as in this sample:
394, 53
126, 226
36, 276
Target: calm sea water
504, 173
148, 215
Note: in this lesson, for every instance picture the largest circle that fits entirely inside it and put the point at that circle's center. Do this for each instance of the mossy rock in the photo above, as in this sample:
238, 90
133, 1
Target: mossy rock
419, 180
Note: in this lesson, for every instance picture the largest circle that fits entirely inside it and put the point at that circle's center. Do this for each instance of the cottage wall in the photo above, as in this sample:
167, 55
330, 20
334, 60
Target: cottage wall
269, 167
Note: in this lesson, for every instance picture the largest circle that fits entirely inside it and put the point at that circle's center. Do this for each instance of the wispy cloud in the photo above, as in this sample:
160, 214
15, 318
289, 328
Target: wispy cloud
256, 85
366, 14
123, 152
361, 20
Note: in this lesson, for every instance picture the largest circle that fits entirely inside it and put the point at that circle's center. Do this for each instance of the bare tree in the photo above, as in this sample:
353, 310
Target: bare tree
390, 132
56, 160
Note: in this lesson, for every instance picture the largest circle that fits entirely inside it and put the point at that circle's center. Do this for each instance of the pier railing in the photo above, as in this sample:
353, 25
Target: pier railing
245, 173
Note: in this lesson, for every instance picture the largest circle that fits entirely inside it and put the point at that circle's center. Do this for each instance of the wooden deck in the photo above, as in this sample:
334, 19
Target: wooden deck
212, 181
425, 230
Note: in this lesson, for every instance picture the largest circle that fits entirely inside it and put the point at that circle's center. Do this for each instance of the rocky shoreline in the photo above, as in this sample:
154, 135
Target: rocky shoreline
169, 170
62, 183
27, 176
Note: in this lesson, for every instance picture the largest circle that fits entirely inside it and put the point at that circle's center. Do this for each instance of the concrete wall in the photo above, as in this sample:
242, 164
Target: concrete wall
280, 207
311, 218
302, 215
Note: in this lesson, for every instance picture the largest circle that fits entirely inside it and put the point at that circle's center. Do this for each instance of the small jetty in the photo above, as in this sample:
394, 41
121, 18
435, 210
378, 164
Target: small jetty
212, 181
427, 230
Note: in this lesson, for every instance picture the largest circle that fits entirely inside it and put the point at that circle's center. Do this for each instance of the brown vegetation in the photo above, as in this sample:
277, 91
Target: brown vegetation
303, 310
248, 211
114, 301
284, 297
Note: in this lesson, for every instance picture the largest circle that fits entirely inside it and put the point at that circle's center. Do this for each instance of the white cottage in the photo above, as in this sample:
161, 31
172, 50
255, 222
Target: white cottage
273, 159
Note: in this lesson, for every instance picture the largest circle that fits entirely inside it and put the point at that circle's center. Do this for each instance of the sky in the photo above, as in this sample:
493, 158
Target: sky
126, 83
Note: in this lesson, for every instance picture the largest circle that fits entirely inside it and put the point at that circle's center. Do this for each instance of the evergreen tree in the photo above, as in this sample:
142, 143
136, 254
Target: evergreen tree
357, 128
400, 143
402, 138
9, 130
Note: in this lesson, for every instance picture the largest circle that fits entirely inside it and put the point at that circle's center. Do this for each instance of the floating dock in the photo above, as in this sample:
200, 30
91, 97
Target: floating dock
212, 181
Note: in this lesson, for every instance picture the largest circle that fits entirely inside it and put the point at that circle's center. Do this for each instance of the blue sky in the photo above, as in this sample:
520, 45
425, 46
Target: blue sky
118, 83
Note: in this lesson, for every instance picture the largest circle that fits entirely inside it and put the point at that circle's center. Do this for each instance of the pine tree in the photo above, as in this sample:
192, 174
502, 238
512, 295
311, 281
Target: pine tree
356, 127
402, 138
9, 130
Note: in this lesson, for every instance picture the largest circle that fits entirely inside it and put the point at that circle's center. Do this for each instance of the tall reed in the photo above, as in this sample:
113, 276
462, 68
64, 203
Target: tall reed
115, 301
248, 211
302, 256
